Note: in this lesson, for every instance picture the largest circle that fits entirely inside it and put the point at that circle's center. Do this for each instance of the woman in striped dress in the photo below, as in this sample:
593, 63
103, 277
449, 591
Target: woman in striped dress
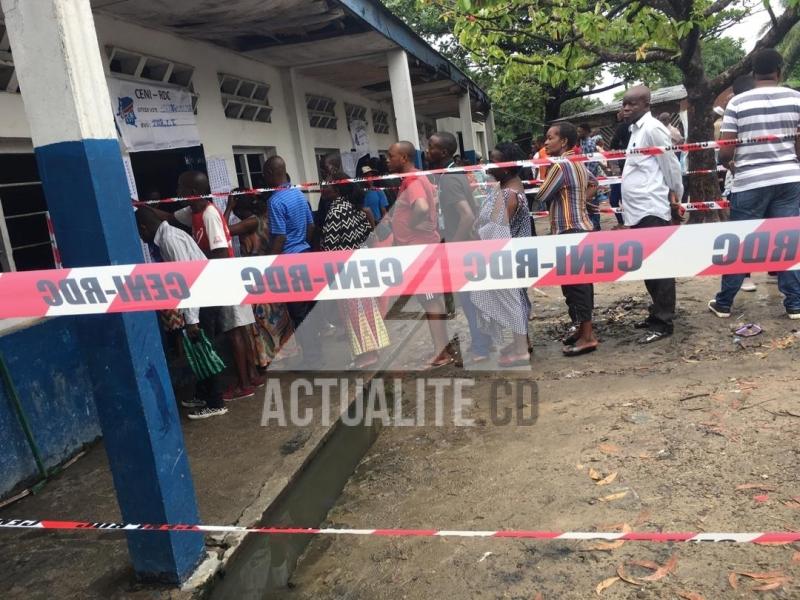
347, 227
504, 215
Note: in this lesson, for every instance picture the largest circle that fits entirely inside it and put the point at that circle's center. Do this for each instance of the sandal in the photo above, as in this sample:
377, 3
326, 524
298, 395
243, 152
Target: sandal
511, 360
573, 350
439, 362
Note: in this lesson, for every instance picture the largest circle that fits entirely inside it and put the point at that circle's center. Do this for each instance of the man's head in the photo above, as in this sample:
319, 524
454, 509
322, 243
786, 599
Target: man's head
331, 164
401, 157
194, 183
274, 171
584, 130
442, 147
767, 65
743, 83
561, 138
147, 222
665, 118
635, 103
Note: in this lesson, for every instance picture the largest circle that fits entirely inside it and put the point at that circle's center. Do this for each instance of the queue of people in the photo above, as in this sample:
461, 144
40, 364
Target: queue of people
419, 209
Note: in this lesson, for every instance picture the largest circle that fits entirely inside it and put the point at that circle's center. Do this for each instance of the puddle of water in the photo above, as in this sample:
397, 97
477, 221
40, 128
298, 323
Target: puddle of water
264, 563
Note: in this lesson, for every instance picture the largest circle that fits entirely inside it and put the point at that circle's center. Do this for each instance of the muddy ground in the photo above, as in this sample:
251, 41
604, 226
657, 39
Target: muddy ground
694, 433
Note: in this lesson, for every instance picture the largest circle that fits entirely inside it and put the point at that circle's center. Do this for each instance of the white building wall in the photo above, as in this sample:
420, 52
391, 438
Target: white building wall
218, 133
453, 125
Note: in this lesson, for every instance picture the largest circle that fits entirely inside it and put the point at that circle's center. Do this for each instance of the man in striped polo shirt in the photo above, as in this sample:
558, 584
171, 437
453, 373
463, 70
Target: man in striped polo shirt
766, 177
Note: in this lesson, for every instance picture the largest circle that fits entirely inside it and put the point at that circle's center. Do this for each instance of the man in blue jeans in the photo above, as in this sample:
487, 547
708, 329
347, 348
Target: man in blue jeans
766, 177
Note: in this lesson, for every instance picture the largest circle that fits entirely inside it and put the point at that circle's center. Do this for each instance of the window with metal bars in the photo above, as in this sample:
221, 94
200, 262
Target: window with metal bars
355, 112
135, 65
8, 75
380, 121
321, 112
245, 99
24, 235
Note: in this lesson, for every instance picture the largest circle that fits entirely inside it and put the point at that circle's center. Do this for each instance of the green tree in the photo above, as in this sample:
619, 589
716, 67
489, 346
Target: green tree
621, 35
523, 102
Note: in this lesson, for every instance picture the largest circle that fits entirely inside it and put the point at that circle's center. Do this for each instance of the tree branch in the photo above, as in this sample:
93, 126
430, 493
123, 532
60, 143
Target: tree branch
716, 7
771, 13
780, 28
605, 88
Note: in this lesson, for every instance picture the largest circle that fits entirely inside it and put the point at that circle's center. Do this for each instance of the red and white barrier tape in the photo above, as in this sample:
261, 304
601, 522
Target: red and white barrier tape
762, 537
602, 256
53, 244
537, 162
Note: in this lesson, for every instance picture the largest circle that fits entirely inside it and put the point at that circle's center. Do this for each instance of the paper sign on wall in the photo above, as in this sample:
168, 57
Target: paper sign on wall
218, 177
360, 136
152, 116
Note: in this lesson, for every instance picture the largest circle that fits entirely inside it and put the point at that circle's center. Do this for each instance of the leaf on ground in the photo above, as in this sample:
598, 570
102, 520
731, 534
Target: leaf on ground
608, 546
761, 498
733, 580
642, 518
625, 577
796, 557
612, 497
772, 584
644, 455
763, 575
605, 584
664, 570
764, 487
595, 474
794, 504
607, 448
647, 564
690, 596
607, 479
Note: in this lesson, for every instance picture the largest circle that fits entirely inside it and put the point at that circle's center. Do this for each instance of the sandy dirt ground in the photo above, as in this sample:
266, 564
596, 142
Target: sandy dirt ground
694, 433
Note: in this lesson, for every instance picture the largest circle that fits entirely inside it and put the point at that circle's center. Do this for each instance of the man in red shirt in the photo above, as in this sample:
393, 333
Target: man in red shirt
210, 231
415, 220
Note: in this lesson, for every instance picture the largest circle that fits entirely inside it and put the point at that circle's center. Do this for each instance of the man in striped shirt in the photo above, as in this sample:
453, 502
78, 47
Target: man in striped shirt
766, 177
567, 191
176, 245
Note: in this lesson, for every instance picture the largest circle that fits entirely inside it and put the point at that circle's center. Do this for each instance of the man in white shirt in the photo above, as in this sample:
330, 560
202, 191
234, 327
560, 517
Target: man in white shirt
650, 185
211, 233
176, 245
766, 177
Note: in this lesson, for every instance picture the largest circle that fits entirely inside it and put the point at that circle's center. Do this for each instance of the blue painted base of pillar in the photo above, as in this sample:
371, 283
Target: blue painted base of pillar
87, 195
418, 159
470, 157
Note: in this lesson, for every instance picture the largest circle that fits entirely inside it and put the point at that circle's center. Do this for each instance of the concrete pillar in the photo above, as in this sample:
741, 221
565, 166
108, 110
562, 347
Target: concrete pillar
467, 132
403, 99
303, 157
66, 99
490, 139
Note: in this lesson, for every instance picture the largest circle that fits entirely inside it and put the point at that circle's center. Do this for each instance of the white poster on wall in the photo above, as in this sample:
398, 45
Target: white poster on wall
360, 136
150, 116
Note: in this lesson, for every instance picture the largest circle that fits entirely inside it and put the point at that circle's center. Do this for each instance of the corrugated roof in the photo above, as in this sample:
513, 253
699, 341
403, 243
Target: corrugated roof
673, 93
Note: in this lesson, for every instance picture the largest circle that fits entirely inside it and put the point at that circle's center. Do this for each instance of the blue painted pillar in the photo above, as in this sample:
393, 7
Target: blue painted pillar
66, 99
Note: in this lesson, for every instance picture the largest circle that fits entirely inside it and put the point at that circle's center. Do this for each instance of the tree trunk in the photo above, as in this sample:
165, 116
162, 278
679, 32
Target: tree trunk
700, 98
552, 108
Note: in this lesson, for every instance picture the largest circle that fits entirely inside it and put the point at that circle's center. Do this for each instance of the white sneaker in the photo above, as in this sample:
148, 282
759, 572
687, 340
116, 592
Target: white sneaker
207, 413
748, 285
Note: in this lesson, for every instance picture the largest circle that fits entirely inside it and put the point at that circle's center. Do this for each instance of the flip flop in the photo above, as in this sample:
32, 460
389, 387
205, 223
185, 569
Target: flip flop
517, 362
748, 330
438, 364
575, 351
